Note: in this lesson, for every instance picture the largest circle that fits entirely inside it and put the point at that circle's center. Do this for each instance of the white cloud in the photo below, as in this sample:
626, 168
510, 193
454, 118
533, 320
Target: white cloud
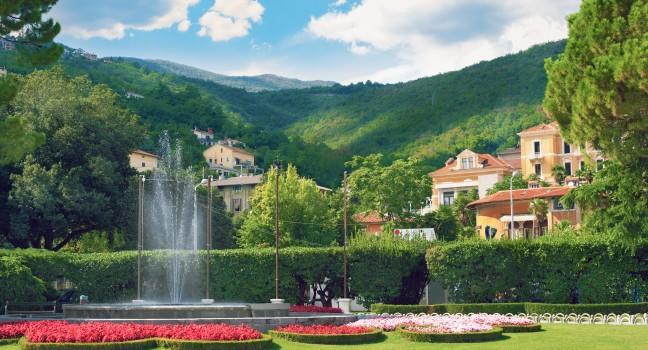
338, 3
112, 19
429, 37
229, 19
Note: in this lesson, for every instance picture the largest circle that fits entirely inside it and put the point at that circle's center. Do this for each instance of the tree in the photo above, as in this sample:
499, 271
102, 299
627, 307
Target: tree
222, 226
443, 220
559, 173
387, 189
79, 180
597, 89
465, 215
35, 47
613, 203
518, 183
539, 208
306, 214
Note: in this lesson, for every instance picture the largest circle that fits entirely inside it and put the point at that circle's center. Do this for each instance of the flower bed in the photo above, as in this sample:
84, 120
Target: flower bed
458, 323
313, 308
327, 334
444, 335
43, 335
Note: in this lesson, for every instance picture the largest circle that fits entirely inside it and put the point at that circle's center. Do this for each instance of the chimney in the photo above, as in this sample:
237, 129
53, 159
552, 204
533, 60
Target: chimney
450, 160
210, 131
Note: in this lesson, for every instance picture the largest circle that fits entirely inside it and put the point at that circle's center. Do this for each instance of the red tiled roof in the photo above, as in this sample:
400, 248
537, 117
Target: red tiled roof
522, 194
514, 163
492, 163
541, 127
370, 217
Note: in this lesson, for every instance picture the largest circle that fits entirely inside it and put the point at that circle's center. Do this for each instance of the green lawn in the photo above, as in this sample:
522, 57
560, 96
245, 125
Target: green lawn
564, 337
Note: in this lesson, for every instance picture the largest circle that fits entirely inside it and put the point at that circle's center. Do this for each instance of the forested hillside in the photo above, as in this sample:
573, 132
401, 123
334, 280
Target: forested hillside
481, 107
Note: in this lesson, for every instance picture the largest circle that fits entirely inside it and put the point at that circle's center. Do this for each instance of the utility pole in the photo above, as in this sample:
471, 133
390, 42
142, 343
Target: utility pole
277, 170
344, 250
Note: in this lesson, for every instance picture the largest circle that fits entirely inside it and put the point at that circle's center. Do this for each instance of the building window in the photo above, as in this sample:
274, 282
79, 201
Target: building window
566, 148
537, 169
536, 147
557, 205
210, 160
238, 188
143, 164
236, 204
448, 198
568, 168
467, 163
582, 165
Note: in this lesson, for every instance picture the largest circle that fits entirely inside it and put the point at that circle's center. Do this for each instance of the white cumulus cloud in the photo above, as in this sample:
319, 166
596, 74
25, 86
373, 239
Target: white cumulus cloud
229, 19
429, 37
113, 19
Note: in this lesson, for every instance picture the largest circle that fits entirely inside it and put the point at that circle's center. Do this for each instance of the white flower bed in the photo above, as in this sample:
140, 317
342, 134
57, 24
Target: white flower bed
444, 323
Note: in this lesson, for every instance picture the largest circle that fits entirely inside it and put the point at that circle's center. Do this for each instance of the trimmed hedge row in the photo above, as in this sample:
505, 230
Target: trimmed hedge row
552, 269
331, 339
8, 341
513, 308
521, 329
174, 344
471, 337
236, 274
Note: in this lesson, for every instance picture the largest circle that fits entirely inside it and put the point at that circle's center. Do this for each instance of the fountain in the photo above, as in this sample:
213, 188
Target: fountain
172, 277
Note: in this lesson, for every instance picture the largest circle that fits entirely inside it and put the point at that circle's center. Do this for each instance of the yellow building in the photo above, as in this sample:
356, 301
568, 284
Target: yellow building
143, 161
228, 158
469, 170
236, 191
542, 147
494, 213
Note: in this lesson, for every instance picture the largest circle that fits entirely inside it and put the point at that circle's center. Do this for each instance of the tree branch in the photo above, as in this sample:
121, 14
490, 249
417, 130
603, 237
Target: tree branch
73, 234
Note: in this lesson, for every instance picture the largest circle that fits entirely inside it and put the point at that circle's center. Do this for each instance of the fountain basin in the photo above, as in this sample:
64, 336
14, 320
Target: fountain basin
174, 311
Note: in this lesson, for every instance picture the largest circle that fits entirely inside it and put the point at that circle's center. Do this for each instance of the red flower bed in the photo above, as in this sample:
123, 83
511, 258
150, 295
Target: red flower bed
324, 329
105, 332
313, 308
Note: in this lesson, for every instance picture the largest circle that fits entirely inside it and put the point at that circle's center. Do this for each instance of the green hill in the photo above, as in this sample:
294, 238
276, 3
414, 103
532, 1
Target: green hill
481, 107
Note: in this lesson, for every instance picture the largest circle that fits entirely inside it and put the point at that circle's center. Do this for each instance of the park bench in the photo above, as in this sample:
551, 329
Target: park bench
48, 309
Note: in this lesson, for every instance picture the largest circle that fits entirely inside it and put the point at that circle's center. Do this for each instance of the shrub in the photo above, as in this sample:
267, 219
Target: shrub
401, 309
327, 334
315, 309
538, 308
552, 269
536, 327
17, 283
493, 308
468, 337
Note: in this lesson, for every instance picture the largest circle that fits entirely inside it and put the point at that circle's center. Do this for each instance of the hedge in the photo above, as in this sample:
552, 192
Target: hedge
513, 308
174, 344
331, 339
17, 283
245, 275
536, 327
471, 337
8, 341
552, 269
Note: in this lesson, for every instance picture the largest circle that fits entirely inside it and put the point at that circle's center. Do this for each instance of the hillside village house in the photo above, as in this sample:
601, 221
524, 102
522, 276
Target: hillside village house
371, 221
467, 171
142, 160
228, 159
494, 213
236, 191
205, 137
542, 147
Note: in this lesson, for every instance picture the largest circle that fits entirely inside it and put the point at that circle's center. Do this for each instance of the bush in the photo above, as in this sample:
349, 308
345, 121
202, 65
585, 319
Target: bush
129, 345
400, 309
552, 269
256, 344
387, 269
538, 308
332, 339
494, 308
521, 328
472, 337
17, 283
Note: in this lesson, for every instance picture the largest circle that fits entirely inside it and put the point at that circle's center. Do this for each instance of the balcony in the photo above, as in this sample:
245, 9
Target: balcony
535, 156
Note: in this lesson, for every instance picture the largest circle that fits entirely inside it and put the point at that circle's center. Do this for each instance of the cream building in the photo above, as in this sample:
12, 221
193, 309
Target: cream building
228, 158
143, 161
542, 147
236, 191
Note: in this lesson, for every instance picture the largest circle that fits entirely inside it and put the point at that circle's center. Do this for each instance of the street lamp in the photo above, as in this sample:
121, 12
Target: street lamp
515, 173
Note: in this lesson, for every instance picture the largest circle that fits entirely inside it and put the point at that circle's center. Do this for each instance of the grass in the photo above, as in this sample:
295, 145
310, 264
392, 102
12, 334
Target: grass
554, 336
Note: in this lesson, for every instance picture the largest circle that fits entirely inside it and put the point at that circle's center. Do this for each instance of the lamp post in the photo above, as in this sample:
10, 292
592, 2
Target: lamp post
276, 299
345, 302
515, 173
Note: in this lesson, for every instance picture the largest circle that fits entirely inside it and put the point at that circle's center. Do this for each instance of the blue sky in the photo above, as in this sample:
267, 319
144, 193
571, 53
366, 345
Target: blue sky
344, 41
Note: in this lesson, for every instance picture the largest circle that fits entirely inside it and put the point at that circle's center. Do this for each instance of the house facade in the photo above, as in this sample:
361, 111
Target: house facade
228, 159
371, 221
542, 147
205, 137
143, 161
468, 170
494, 213
236, 191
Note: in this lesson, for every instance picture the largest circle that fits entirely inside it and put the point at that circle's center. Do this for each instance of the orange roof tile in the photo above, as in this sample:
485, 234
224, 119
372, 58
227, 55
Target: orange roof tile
522, 194
492, 163
139, 151
370, 217
541, 127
